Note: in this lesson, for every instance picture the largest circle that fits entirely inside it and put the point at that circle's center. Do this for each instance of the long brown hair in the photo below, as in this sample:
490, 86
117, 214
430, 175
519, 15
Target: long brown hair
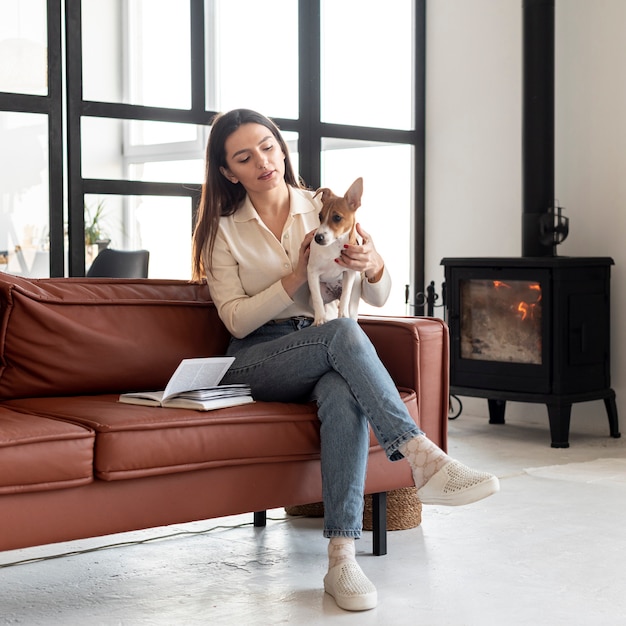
219, 196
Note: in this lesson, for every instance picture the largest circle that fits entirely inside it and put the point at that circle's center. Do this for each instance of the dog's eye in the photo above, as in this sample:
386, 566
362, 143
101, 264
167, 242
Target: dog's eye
337, 218
319, 215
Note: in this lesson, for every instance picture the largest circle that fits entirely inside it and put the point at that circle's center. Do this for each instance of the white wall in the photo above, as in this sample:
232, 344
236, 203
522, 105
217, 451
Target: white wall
473, 143
591, 148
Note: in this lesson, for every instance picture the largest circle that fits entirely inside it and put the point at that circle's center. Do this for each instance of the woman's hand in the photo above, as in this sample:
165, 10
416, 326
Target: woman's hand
292, 282
363, 257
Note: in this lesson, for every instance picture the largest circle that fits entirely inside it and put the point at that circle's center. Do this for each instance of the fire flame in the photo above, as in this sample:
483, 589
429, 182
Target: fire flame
523, 308
526, 309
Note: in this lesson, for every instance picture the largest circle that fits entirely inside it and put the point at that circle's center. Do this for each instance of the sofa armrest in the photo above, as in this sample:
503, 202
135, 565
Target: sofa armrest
415, 351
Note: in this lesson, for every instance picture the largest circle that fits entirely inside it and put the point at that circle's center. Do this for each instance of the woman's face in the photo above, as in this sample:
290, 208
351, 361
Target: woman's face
254, 158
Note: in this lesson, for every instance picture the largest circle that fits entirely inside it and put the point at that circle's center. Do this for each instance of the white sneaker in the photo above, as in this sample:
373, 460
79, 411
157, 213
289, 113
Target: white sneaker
350, 587
456, 484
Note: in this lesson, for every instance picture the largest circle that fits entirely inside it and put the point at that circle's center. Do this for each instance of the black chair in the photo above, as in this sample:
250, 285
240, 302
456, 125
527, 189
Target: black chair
120, 264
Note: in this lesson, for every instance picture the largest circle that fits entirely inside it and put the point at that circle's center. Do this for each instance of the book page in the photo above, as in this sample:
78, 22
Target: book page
221, 391
207, 405
197, 374
147, 398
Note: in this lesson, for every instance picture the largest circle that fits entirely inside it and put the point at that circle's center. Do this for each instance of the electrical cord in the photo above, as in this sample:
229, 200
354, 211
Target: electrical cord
137, 542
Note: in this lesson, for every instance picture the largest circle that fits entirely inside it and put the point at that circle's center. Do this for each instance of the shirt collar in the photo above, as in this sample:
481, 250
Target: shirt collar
300, 201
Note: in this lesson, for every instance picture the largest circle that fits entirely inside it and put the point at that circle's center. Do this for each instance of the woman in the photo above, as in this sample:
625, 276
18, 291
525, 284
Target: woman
251, 241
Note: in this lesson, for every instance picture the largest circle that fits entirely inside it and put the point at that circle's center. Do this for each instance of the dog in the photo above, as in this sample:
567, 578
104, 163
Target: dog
327, 280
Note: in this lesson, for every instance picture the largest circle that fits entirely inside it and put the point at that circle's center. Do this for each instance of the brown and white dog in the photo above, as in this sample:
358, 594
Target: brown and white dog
328, 281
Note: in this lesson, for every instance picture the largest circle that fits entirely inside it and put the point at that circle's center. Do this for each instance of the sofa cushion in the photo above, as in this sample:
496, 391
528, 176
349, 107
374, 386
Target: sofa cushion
134, 441
38, 453
66, 336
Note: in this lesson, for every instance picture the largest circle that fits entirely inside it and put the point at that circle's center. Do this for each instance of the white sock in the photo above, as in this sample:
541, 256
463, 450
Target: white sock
424, 457
340, 550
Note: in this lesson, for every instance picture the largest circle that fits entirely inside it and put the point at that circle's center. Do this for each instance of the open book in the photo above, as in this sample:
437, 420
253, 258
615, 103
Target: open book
195, 385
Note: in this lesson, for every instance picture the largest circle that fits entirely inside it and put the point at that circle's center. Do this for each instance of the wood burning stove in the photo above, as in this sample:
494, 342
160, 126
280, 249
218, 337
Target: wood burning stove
534, 328
531, 329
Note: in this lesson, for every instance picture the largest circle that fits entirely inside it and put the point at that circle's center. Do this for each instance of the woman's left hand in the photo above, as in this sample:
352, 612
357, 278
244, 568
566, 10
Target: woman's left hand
363, 257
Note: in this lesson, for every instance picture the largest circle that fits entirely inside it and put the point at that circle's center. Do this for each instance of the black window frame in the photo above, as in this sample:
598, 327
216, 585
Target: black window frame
309, 127
50, 105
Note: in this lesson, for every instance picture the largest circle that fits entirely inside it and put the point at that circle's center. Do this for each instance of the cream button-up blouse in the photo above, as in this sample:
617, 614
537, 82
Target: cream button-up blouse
249, 263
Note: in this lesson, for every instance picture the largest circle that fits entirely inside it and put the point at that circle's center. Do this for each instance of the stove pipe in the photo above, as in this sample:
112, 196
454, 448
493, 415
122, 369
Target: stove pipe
542, 225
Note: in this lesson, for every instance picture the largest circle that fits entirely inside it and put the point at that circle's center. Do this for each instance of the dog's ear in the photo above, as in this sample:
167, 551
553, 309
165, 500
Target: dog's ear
354, 193
326, 194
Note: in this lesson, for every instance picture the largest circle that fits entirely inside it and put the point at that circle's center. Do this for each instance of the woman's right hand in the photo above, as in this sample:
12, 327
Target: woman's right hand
292, 282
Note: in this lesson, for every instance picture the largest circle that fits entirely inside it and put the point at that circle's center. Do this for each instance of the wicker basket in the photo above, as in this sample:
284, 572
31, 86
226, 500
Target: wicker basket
404, 510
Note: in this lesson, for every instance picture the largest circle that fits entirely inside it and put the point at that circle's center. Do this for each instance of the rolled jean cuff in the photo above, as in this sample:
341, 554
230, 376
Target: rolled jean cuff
353, 534
391, 450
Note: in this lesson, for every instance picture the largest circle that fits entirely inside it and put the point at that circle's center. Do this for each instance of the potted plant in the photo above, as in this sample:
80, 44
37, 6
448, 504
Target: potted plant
95, 238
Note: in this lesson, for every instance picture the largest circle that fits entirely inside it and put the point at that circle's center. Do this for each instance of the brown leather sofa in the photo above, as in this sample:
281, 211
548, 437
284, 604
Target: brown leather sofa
76, 463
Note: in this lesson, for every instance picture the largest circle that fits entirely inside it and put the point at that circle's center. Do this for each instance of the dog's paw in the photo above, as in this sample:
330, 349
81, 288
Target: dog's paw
318, 321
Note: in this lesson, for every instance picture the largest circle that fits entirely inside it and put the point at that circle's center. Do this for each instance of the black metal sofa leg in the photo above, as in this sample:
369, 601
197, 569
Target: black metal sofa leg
379, 523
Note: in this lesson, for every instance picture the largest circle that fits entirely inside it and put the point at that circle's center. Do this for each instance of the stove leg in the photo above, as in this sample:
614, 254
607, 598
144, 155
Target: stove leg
559, 415
611, 411
496, 411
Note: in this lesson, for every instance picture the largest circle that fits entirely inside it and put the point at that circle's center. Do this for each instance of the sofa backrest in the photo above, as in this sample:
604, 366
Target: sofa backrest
74, 336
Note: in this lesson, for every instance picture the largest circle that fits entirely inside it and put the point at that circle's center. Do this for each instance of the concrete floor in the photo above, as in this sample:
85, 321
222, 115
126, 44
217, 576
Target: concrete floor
549, 549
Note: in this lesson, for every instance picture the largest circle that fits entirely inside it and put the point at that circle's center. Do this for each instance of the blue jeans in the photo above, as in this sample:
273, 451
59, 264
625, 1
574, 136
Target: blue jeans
336, 366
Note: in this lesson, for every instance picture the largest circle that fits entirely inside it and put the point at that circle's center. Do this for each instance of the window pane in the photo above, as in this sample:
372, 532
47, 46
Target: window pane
102, 51
24, 220
180, 161
102, 148
134, 68
291, 139
367, 63
164, 226
184, 171
23, 47
143, 133
161, 225
384, 206
252, 50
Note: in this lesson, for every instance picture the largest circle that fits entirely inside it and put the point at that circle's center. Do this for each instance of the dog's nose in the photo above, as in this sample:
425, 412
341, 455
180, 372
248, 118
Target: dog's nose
320, 239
